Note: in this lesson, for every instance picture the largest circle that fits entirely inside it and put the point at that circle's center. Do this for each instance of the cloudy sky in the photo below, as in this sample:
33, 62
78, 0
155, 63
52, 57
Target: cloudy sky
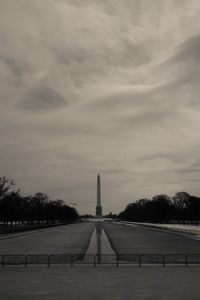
107, 86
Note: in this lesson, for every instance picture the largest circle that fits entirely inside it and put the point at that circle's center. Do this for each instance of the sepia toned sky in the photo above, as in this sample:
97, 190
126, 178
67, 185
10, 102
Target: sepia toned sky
106, 86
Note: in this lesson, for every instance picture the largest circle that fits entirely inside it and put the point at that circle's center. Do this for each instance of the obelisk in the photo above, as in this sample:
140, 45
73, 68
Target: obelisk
98, 207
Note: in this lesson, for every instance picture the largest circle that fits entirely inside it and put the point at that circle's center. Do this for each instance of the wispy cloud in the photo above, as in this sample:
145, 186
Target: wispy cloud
41, 98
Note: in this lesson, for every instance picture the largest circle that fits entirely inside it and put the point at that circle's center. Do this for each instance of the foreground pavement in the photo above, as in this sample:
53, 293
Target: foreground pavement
101, 283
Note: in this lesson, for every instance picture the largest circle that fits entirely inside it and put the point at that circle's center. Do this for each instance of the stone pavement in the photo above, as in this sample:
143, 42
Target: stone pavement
101, 283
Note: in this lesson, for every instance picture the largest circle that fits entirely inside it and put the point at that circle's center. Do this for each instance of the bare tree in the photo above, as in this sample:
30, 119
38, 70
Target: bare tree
181, 199
6, 185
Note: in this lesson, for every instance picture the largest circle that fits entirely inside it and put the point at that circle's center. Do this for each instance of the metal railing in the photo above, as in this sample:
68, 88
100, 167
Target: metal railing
101, 259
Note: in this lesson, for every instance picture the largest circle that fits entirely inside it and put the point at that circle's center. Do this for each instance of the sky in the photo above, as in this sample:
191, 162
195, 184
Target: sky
100, 86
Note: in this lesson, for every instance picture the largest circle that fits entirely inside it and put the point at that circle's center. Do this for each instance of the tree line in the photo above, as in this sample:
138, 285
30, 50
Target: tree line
36, 209
181, 208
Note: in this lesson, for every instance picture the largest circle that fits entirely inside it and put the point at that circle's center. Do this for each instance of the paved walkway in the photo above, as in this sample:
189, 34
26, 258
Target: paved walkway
185, 229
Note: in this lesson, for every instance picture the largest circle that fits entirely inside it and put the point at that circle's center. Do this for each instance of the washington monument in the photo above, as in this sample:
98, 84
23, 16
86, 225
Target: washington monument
98, 207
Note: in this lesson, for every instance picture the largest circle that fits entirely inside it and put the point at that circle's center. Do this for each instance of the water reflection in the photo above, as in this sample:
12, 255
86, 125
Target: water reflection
99, 238
99, 244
